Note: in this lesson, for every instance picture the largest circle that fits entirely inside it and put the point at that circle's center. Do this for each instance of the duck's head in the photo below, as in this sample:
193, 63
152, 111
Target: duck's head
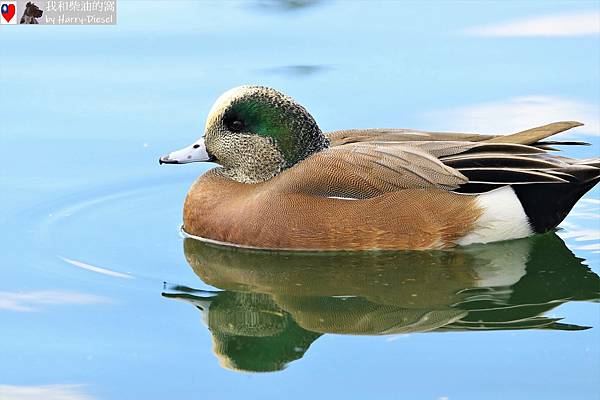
254, 132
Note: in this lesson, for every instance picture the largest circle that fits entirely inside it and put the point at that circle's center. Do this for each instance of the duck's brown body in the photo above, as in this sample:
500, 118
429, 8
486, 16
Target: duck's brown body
264, 215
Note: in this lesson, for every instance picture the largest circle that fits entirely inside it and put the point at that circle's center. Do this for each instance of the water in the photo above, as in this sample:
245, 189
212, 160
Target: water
102, 298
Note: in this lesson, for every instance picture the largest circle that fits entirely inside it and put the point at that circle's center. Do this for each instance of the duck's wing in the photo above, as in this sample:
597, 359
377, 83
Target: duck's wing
362, 170
367, 163
491, 165
396, 135
488, 161
389, 136
518, 159
534, 135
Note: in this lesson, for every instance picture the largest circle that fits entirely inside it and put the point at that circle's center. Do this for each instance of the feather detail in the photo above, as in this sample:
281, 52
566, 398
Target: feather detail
487, 161
390, 135
533, 135
363, 170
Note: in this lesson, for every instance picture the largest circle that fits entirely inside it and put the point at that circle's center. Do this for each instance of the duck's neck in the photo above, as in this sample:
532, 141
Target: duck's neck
319, 142
269, 162
243, 175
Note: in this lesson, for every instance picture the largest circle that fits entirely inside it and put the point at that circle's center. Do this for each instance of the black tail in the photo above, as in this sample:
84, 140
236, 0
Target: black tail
547, 204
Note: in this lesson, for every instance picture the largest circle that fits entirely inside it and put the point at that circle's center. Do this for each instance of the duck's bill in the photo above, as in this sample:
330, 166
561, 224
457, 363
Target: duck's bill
194, 153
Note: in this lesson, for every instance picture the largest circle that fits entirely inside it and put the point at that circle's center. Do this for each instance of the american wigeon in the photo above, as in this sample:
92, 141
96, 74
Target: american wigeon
284, 184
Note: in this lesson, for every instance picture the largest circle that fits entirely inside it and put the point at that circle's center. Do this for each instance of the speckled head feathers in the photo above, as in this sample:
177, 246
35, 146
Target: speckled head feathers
255, 132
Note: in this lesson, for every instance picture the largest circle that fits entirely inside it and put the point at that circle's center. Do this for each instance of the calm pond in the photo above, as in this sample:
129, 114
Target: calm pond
102, 298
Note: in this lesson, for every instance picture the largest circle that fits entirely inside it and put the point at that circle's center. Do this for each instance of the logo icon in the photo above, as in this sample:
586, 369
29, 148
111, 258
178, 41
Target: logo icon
8, 10
32, 12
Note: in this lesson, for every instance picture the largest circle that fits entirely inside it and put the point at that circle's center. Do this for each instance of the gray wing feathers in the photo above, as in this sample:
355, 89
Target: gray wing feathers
365, 163
390, 135
414, 168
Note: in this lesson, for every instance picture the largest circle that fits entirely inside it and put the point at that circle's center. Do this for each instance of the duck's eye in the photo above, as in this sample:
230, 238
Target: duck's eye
236, 125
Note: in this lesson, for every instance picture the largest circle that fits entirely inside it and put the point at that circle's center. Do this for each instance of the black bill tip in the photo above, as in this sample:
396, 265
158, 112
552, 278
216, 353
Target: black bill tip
166, 160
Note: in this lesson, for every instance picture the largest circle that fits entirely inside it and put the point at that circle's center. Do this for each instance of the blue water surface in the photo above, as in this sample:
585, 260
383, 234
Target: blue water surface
97, 297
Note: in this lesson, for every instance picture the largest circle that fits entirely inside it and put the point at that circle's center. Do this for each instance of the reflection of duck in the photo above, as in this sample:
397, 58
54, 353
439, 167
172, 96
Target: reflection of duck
283, 184
250, 331
276, 304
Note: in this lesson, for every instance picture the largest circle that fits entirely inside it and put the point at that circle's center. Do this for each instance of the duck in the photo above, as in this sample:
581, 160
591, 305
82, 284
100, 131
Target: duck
283, 184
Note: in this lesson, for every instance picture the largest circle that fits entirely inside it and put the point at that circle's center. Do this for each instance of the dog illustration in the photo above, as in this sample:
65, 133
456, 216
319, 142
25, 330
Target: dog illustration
31, 13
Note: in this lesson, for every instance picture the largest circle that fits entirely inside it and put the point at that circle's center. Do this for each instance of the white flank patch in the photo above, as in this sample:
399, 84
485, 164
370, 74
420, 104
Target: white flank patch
225, 99
572, 24
503, 218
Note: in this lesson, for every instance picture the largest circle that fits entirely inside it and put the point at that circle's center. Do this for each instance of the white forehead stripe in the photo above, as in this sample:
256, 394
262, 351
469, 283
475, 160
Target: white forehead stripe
224, 100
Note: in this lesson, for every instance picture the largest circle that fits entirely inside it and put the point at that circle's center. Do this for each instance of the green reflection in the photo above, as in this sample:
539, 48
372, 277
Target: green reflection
275, 304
